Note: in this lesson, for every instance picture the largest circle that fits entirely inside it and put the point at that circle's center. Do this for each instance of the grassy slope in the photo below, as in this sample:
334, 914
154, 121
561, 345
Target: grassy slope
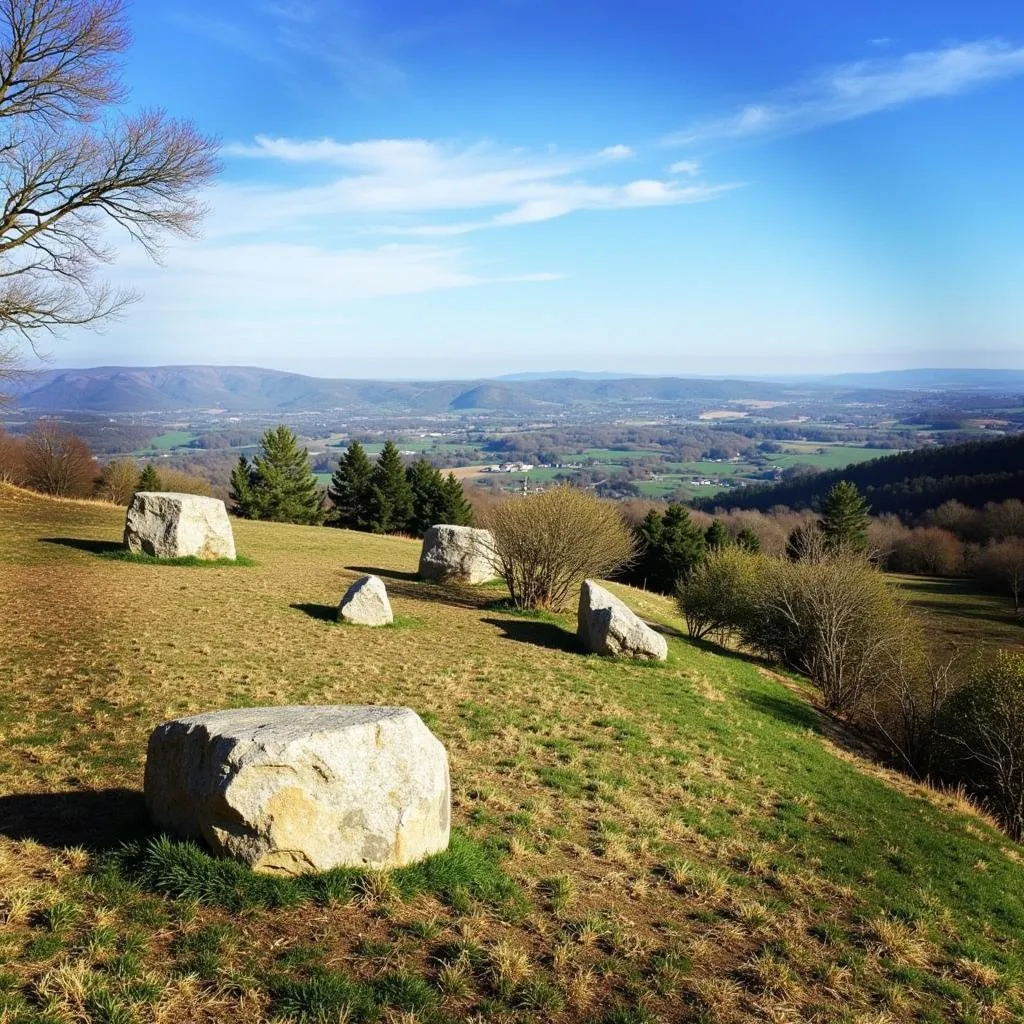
690, 843
962, 616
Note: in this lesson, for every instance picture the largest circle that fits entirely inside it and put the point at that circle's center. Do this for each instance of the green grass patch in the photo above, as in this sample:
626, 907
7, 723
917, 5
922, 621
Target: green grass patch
189, 562
467, 871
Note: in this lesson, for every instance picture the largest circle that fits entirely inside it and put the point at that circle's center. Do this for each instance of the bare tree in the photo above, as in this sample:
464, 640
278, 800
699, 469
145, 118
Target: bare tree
71, 165
119, 481
12, 459
1001, 565
58, 462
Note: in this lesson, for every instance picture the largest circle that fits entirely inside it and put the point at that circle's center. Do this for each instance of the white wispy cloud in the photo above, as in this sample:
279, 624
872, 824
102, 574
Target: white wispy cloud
405, 184
687, 167
865, 87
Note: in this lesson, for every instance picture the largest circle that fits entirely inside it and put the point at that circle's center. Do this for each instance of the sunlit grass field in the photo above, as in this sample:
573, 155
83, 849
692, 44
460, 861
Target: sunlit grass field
633, 843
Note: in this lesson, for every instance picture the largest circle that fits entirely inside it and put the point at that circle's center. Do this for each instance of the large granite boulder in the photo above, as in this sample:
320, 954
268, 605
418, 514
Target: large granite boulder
168, 525
366, 603
294, 789
606, 626
458, 554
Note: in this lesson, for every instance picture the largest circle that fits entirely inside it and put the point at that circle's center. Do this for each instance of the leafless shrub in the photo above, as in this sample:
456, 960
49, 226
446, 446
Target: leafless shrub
984, 726
12, 459
58, 462
548, 543
184, 483
834, 618
118, 481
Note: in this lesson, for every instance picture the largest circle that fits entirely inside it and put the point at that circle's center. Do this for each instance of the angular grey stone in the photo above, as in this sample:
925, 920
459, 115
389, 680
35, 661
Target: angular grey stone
169, 525
458, 554
294, 789
607, 626
366, 603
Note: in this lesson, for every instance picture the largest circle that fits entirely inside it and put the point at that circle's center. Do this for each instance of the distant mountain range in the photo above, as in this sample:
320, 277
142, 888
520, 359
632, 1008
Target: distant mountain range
237, 389
119, 389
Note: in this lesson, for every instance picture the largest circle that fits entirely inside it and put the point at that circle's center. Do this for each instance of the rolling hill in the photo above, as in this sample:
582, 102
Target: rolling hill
907, 484
633, 843
118, 389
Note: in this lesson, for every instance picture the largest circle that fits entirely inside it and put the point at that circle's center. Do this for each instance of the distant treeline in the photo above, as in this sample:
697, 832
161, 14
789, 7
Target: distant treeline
908, 484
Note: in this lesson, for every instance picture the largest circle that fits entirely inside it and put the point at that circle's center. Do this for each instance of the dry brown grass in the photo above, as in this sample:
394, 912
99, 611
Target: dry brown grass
633, 834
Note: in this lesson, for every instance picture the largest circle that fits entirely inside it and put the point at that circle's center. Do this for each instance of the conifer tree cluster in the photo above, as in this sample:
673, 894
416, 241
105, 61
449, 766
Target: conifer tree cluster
278, 484
387, 497
149, 479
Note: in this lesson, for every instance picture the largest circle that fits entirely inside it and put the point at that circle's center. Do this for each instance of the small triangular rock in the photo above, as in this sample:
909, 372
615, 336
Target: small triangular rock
366, 603
607, 626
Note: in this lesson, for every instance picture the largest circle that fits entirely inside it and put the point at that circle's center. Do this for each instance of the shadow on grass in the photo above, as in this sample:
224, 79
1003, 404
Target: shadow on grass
322, 612
105, 548
98, 820
537, 632
409, 584
119, 553
789, 710
385, 574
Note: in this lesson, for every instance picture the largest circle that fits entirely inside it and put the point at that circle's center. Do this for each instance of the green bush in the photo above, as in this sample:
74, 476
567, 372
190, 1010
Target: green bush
716, 600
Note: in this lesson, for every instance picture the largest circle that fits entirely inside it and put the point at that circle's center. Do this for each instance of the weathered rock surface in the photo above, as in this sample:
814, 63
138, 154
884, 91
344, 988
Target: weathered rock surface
607, 626
458, 554
294, 789
168, 525
366, 603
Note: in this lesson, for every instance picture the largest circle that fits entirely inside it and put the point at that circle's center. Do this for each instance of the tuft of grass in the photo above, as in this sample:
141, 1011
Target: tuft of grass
188, 562
466, 871
323, 996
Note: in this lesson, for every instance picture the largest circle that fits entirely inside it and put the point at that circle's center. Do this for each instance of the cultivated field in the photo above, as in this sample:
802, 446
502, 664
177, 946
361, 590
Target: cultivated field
687, 842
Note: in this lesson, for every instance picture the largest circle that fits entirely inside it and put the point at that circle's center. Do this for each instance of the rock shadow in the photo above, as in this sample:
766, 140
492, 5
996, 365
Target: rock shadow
96, 819
384, 574
322, 612
537, 632
94, 547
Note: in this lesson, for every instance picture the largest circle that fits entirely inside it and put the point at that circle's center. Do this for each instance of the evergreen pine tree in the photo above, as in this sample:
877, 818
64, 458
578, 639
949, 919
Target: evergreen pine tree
748, 540
845, 518
673, 546
717, 536
683, 545
278, 484
457, 509
149, 479
428, 498
349, 490
390, 499
241, 495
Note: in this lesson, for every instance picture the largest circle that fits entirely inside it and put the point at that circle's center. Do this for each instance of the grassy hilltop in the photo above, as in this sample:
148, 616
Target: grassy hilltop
687, 842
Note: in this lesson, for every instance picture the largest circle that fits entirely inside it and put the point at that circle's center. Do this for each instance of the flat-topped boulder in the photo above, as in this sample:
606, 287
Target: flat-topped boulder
169, 525
458, 554
288, 790
607, 626
366, 603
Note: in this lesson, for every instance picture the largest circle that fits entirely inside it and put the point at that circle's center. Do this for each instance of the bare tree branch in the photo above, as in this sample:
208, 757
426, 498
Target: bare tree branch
71, 165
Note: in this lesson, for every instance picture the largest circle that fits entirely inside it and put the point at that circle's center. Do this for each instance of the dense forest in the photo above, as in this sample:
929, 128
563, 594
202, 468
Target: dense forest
907, 484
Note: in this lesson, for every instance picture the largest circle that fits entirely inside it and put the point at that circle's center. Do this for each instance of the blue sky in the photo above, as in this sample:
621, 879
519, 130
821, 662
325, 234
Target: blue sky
469, 188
